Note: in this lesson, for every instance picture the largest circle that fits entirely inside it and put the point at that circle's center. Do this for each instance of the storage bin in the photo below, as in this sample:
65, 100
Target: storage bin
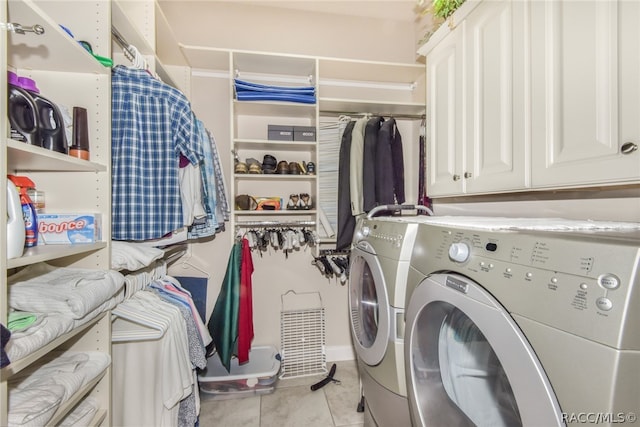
304, 133
280, 132
258, 376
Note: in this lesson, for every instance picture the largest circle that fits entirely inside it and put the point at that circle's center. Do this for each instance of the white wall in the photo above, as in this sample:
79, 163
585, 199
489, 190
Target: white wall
242, 25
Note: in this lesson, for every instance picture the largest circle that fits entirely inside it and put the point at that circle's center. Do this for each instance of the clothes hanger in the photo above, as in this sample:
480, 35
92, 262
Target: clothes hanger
185, 264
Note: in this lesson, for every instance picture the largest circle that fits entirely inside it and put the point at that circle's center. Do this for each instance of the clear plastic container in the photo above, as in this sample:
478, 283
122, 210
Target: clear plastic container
37, 199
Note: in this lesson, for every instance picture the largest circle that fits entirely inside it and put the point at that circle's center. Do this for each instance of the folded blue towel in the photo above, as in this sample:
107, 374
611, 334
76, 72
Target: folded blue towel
289, 97
242, 85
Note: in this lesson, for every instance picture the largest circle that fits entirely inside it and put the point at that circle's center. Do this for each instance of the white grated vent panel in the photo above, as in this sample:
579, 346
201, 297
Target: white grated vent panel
302, 334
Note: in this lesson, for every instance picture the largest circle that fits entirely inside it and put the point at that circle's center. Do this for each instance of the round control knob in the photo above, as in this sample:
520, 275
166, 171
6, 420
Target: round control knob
365, 231
459, 252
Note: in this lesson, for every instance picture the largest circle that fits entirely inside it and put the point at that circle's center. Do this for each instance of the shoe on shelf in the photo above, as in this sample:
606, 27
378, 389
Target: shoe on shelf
294, 202
311, 168
294, 168
306, 201
283, 168
269, 164
255, 168
241, 167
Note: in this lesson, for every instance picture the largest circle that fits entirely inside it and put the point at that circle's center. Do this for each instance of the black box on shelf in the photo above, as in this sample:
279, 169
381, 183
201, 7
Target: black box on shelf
280, 132
304, 133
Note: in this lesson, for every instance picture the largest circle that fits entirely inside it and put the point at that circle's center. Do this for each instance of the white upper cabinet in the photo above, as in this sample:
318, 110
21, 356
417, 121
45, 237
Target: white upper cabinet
495, 88
444, 116
585, 92
476, 95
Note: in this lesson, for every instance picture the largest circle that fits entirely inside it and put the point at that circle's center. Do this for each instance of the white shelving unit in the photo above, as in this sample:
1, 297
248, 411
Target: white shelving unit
343, 87
68, 75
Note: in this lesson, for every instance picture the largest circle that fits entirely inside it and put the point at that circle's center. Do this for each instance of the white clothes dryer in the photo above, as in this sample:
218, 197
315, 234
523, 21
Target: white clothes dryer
512, 327
379, 264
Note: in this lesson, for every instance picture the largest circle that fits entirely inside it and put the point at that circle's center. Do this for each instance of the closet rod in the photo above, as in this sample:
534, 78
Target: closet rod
244, 224
395, 116
122, 42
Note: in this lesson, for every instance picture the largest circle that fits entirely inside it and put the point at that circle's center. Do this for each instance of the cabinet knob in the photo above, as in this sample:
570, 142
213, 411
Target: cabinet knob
468, 174
456, 177
628, 148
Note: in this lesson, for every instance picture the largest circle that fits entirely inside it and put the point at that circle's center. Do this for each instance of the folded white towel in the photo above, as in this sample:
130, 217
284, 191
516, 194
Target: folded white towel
133, 256
35, 406
42, 288
82, 414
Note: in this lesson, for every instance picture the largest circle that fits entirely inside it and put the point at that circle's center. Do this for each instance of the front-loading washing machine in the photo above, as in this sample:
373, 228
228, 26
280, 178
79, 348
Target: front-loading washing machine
508, 327
379, 264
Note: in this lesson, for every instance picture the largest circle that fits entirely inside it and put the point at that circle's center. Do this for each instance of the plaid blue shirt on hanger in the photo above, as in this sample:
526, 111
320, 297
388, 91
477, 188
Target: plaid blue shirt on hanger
152, 123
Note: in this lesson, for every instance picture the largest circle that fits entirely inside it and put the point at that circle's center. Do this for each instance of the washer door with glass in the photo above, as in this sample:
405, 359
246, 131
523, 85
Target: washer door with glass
368, 305
468, 362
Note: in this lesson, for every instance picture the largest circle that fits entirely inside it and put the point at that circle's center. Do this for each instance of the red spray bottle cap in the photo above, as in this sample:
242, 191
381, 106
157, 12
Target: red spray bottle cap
23, 183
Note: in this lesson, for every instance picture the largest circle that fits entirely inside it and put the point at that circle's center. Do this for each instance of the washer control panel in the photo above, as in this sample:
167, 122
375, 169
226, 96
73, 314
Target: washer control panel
580, 283
389, 238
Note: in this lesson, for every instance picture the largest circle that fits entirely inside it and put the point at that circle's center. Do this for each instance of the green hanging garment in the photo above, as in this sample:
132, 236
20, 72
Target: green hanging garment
223, 324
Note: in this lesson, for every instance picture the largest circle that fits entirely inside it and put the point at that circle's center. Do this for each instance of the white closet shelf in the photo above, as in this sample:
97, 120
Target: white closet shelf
381, 72
50, 252
207, 58
65, 407
334, 105
282, 212
18, 365
274, 177
120, 20
265, 144
274, 108
54, 50
26, 157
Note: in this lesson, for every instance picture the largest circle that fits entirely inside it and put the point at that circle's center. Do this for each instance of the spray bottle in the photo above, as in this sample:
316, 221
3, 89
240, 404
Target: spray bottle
15, 223
28, 210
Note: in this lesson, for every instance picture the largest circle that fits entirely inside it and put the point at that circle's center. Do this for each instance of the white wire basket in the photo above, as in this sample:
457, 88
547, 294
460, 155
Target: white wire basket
302, 335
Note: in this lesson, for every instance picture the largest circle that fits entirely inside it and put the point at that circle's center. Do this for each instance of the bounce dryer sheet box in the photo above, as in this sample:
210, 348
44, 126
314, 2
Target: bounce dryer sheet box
66, 229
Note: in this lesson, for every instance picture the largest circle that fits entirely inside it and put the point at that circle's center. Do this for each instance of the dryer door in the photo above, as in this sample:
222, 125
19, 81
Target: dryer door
468, 363
368, 305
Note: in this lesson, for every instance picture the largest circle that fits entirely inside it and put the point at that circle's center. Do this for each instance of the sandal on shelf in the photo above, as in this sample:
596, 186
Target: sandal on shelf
306, 201
255, 168
294, 202
241, 167
245, 202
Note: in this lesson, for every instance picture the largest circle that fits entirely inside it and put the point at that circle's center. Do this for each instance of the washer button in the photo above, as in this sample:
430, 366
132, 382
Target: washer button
554, 280
529, 275
609, 281
583, 286
604, 304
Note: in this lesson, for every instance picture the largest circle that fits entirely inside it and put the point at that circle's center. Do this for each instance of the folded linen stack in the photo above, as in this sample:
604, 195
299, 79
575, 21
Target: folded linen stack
248, 91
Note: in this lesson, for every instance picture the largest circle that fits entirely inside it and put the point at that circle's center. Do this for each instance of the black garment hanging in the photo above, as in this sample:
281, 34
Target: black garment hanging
346, 221
389, 165
369, 161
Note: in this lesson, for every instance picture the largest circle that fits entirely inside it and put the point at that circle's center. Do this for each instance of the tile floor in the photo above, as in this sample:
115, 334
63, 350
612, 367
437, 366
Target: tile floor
292, 404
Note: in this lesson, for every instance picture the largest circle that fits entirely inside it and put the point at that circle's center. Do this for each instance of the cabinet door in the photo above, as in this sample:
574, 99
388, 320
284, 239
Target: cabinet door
444, 116
585, 92
495, 98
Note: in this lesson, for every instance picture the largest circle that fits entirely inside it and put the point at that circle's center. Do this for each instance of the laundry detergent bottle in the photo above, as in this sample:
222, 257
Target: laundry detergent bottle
28, 210
50, 119
23, 113
15, 223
